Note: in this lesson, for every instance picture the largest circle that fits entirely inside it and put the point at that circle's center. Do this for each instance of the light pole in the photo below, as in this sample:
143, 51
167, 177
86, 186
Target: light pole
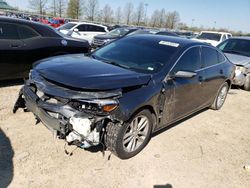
192, 24
146, 9
214, 24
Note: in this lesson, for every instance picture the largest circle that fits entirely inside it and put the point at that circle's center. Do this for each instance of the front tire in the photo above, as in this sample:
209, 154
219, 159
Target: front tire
247, 83
220, 97
129, 139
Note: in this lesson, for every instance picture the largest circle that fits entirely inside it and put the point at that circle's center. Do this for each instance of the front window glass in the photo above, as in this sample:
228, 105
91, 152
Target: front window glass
190, 61
147, 55
209, 36
236, 46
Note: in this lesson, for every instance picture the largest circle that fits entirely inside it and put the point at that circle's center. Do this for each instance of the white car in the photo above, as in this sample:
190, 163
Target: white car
212, 37
83, 30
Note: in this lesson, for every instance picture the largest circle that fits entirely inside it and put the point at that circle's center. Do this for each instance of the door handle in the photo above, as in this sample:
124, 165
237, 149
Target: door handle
15, 46
221, 71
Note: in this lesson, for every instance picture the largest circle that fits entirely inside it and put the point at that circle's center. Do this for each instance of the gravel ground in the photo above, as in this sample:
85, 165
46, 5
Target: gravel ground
206, 150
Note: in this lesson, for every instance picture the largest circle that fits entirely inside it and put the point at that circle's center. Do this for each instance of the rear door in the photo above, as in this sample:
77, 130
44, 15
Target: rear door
11, 56
32, 49
213, 65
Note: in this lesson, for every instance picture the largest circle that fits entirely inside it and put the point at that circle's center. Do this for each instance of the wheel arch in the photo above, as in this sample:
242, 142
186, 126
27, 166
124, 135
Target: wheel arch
151, 110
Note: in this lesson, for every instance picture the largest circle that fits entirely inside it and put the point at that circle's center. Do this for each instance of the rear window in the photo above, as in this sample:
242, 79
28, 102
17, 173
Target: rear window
209, 56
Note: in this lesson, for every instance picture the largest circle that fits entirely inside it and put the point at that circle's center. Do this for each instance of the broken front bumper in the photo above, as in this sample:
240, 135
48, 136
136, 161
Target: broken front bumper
239, 78
42, 109
61, 115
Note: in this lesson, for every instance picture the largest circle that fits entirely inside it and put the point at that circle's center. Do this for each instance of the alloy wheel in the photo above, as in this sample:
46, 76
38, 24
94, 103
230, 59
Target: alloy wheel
136, 133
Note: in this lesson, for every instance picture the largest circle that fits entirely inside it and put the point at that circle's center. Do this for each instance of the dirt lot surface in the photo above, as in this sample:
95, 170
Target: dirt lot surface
206, 150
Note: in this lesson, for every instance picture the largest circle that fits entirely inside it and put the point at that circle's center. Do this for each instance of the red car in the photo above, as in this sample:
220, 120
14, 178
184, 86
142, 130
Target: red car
56, 22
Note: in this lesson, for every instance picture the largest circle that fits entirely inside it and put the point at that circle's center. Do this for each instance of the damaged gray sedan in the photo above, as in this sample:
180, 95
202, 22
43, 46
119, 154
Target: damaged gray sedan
122, 93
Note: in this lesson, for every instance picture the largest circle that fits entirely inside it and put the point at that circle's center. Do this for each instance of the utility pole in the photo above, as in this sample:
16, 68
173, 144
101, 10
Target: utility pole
146, 9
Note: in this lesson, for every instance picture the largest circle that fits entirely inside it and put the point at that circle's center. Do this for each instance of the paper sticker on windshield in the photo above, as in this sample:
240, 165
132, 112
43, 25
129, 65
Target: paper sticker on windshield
150, 68
167, 43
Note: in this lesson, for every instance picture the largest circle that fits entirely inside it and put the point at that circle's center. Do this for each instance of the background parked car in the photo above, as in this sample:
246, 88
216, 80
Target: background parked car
167, 33
100, 40
83, 30
186, 34
143, 31
23, 42
56, 22
237, 51
212, 37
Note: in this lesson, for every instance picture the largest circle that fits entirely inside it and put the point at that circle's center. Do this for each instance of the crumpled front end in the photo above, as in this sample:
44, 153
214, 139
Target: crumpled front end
240, 75
75, 115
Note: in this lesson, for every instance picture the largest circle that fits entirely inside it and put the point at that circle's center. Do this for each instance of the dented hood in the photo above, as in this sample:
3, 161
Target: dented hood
79, 71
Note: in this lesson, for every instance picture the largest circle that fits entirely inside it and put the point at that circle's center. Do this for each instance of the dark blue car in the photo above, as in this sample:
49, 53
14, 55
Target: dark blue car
122, 93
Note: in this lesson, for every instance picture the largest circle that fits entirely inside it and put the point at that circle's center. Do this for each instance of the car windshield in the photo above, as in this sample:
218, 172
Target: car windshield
67, 26
209, 36
119, 32
236, 46
145, 54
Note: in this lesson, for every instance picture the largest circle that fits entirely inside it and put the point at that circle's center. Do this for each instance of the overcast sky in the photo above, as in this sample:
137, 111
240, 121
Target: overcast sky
230, 14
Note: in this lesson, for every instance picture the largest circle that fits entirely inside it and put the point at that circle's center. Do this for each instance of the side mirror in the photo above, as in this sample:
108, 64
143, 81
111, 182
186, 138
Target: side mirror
76, 30
185, 74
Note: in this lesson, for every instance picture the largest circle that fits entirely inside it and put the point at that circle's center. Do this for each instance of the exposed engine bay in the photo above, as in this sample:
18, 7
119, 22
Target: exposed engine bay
78, 117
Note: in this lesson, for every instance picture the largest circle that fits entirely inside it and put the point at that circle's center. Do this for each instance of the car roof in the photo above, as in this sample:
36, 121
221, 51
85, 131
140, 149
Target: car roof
43, 29
215, 32
17, 20
181, 41
88, 23
240, 37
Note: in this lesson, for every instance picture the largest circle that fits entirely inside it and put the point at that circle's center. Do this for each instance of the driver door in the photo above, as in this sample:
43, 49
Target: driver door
186, 95
11, 55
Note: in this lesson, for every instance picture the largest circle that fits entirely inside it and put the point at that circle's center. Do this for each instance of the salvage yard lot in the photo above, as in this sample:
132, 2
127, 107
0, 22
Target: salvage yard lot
206, 150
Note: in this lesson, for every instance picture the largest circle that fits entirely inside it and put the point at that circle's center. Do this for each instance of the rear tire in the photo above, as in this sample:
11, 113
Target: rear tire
127, 140
220, 97
247, 83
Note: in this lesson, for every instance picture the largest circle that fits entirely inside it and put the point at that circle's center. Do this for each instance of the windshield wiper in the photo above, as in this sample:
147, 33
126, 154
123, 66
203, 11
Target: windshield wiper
117, 64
